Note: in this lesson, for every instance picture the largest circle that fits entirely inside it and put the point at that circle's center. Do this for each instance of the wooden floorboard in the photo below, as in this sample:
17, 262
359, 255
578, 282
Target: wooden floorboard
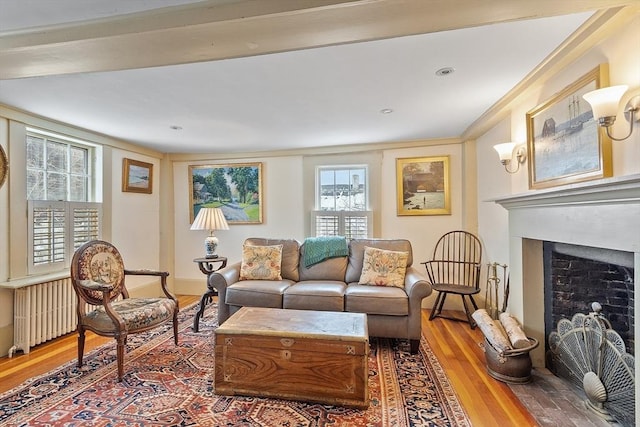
486, 401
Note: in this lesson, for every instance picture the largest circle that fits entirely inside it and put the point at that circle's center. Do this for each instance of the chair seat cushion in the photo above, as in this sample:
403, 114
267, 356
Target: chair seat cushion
387, 300
137, 314
455, 289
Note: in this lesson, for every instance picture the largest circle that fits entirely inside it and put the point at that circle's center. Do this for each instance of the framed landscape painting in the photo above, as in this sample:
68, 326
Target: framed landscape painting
564, 140
235, 188
137, 176
423, 186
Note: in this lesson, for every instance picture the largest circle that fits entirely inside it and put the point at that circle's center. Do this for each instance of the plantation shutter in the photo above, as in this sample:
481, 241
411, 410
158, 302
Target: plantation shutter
351, 224
48, 234
58, 229
86, 223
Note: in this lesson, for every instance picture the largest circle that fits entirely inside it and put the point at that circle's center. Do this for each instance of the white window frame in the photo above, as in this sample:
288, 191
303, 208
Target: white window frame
343, 219
87, 212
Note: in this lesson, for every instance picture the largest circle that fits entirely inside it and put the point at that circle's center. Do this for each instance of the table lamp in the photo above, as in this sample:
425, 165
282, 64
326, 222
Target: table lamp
210, 219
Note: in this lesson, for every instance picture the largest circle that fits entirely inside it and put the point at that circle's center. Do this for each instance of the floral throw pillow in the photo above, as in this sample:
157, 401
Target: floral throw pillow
261, 262
383, 268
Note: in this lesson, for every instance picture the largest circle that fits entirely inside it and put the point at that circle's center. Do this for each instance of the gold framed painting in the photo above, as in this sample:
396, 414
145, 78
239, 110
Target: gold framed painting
137, 176
422, 186
4, 166
236, 188
564, 141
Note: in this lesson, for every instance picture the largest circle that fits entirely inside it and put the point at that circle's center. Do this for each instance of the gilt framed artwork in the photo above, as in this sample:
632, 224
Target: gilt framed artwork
422, 186
235, 188
137, 176
564, 141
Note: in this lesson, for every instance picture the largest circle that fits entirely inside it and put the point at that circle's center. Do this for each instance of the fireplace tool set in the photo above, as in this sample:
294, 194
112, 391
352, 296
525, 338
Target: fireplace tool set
494, 281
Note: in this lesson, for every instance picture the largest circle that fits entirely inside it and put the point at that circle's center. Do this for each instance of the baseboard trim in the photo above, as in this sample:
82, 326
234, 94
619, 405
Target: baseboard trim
190, 286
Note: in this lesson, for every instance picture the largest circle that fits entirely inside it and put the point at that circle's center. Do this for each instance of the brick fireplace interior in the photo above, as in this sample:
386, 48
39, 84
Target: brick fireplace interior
576, 276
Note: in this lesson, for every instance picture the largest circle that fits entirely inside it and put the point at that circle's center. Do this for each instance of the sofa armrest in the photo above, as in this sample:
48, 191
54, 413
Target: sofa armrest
219, 281
417, 288
416, 285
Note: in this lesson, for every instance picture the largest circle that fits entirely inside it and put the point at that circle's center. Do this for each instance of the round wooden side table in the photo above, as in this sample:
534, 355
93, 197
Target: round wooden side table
207, 266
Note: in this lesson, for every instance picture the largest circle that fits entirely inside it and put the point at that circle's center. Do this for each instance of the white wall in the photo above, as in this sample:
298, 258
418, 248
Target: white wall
135, 219
131, 220
422, 231
284, 216
621, 52
6, 296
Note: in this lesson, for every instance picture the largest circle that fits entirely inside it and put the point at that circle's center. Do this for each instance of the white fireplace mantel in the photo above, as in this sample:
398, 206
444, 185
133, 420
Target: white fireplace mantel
625, 189
600, 214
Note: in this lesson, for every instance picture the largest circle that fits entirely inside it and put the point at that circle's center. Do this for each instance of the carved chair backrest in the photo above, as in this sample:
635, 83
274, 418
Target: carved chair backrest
456, 259
98, 261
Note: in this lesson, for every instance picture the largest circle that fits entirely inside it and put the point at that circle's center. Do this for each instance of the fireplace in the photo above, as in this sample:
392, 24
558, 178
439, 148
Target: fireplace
576, 276
602, 214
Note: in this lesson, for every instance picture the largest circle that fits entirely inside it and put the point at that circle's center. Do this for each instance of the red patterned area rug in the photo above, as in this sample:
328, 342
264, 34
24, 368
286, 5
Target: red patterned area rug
165, 385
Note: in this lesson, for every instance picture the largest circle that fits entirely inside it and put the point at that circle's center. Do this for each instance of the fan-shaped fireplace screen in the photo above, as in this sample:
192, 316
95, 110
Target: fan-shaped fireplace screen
592, 356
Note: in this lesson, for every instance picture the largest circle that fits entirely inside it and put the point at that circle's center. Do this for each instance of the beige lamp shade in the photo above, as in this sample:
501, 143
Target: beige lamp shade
210, 219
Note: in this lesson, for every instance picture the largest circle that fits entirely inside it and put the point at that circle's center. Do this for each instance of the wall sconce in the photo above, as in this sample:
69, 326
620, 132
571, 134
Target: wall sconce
604, 103
505, 151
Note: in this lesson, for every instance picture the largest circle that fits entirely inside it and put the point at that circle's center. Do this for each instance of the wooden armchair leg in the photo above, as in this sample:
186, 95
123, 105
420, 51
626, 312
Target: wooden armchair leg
467, 311
80, 345
175, 328
121, 343
437, 305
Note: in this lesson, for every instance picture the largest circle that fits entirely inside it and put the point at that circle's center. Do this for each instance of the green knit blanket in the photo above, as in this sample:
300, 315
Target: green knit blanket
317, 249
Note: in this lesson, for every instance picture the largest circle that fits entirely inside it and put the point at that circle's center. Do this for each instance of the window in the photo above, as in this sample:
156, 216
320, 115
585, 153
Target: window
62, 206
341, 202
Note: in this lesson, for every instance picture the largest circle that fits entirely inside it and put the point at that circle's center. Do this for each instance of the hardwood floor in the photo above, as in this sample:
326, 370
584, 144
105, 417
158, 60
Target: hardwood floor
486, 401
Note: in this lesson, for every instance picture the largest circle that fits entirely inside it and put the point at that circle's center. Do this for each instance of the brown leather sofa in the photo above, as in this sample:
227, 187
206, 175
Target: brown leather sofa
331, 285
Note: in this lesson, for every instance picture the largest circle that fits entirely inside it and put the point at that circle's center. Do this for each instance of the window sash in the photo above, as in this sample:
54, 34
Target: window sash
58, 168
330, 182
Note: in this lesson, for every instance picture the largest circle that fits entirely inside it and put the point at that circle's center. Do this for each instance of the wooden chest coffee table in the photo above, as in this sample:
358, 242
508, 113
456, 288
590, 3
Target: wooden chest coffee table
316, 356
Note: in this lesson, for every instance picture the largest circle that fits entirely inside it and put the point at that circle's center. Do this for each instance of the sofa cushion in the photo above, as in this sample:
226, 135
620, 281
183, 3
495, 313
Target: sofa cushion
290, 254
356, 254
387, 300
383, 268
257, 293
261, 262
329, 269
323, 295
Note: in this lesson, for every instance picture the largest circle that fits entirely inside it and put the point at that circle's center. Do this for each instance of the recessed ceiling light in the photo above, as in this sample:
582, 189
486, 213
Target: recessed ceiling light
445, 71
386, 111
175, 127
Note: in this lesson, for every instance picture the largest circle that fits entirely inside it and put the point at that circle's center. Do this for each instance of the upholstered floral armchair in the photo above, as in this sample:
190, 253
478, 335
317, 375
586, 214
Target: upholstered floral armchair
104, 306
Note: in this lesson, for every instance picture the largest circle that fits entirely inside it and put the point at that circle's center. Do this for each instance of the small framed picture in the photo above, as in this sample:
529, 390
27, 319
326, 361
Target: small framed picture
423, 186
137, 176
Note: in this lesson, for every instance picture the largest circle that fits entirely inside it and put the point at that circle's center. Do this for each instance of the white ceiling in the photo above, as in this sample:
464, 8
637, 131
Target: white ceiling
325, 96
